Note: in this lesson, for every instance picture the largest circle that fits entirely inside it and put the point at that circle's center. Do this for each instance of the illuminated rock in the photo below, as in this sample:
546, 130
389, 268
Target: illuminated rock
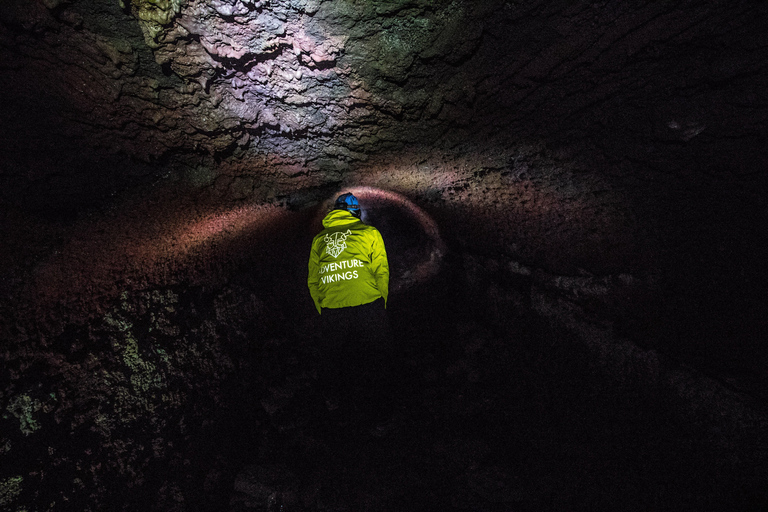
573, 194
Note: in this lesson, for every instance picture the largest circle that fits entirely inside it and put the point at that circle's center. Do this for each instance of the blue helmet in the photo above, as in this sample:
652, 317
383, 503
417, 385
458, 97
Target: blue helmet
348, 202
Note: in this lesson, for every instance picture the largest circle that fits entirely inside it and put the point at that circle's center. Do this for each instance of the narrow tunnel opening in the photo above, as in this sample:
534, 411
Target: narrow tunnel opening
503, 408
215, 383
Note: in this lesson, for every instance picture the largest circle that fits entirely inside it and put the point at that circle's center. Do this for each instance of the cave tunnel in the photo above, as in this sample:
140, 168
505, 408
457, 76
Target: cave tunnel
572, 197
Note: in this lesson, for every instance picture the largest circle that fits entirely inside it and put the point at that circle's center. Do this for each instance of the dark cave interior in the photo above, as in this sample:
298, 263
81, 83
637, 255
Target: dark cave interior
572, 199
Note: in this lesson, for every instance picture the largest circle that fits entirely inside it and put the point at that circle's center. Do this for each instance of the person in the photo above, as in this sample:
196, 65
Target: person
349, 285
348, 264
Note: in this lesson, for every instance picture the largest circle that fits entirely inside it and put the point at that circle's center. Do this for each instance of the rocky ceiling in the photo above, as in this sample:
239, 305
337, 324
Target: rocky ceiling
313, 85
595, 168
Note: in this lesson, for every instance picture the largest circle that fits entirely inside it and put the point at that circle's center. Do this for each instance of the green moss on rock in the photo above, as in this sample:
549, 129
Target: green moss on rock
10, 489
154, 15
24, 407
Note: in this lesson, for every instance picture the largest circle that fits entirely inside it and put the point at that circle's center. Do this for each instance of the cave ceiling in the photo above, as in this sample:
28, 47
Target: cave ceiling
312, 85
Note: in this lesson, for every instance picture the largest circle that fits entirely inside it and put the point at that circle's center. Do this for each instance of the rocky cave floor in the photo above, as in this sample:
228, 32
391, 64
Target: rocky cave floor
514, 417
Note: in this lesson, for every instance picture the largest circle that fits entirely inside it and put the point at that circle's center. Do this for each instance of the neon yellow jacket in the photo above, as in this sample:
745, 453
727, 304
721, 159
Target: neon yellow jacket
347, 264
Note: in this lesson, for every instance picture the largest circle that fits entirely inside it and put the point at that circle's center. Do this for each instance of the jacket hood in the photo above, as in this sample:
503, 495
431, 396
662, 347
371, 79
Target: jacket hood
339, 218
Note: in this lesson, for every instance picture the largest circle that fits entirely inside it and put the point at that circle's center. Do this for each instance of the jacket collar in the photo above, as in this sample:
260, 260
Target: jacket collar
339, 218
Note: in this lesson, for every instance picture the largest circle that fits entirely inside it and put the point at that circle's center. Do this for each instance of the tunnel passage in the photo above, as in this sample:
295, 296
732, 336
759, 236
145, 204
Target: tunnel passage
595, 319
414, 247
198, 383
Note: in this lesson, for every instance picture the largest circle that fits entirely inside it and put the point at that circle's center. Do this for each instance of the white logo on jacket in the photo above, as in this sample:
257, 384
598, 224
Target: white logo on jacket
336, 243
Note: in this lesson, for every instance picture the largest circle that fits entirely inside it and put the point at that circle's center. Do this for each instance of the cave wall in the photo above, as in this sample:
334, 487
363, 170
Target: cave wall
595, 166
648, 114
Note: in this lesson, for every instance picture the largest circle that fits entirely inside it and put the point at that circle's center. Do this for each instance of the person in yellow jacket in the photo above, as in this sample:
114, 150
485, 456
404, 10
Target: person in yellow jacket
348, 263
349, 283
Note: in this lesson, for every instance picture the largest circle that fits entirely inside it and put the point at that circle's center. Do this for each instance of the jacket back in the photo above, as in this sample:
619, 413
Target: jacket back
347, 263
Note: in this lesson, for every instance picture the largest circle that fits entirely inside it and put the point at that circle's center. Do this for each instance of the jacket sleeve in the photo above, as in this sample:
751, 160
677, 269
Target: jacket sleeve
380, 265
312, 280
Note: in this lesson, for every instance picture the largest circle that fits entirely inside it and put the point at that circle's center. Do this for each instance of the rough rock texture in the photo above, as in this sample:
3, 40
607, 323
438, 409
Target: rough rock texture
640, 87
572, 195
288, 81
